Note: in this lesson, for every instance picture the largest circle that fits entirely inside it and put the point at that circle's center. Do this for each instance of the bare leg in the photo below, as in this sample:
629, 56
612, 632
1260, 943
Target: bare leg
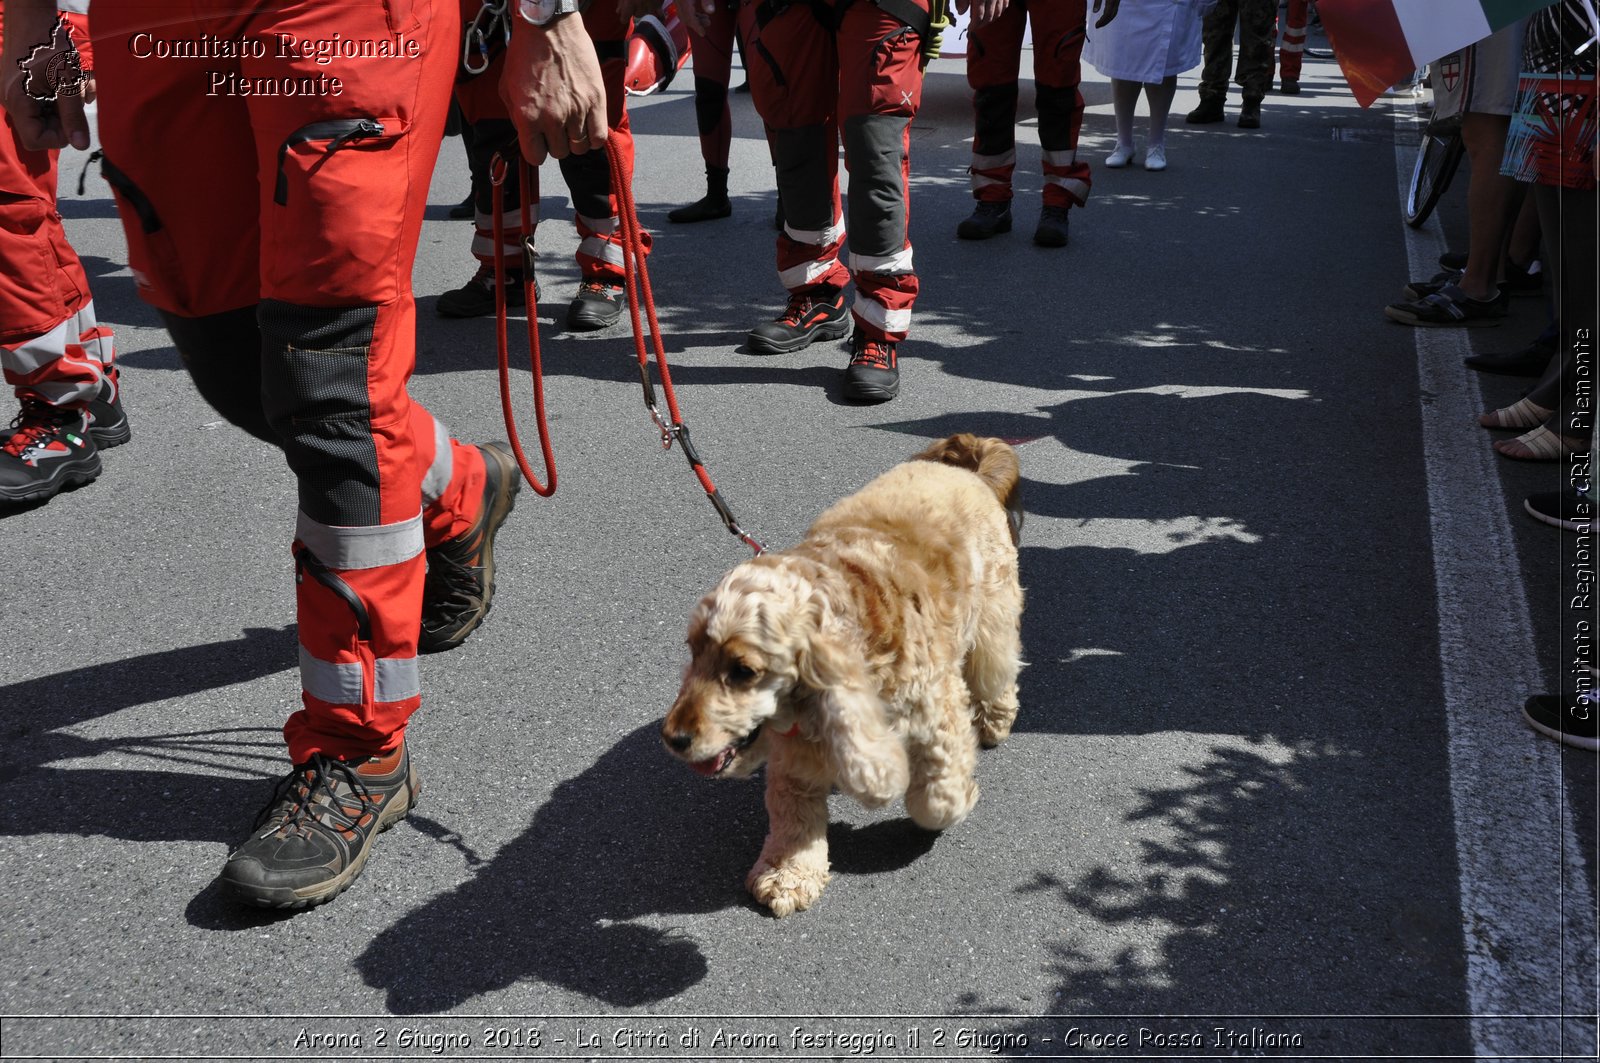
1489, 201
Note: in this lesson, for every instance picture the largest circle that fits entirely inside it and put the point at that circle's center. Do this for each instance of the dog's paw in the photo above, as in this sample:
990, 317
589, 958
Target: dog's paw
786, 889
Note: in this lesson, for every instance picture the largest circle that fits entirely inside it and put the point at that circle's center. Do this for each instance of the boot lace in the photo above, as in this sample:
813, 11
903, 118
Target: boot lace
33, 422
875, 354
309, 796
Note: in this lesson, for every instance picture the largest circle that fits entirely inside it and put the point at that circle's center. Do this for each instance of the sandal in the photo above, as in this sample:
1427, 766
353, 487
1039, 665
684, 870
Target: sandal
1449, 307
1520, 415
1541, 444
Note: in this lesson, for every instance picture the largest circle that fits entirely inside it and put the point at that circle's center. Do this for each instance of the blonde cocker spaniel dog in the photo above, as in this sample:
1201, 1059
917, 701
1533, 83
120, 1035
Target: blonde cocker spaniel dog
874, 656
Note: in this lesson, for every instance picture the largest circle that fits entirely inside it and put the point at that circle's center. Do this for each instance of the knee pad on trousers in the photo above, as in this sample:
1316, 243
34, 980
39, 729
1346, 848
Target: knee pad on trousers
995, 117
1056, 104
314, 374
802, 157
222, 353
710, 104
875, 145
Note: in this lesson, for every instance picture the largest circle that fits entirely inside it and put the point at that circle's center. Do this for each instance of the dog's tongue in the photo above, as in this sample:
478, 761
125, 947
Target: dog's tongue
713, 765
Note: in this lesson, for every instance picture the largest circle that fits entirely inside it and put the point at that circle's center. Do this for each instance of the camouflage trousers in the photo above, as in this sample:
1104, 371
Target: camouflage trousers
1257, 21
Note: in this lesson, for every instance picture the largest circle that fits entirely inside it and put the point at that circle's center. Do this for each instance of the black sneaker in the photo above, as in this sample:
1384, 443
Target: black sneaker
873, 374
1529, 361
1571, 509
476, 297
987, 219
1568, 718
818, 314
1455, 261
459, 589
108, 424
313, 838
597, 305
1210, 110
1250, 114
1052, 230
47, 450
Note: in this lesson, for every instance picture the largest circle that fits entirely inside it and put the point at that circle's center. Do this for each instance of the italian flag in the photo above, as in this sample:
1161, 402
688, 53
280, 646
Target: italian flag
1380, 42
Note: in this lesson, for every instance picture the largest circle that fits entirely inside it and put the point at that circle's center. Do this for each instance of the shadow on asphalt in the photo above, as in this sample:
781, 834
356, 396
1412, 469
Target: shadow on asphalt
585, 898
36, 798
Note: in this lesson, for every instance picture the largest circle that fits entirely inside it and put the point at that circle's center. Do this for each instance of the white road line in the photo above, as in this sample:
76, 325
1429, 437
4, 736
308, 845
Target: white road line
1514, 837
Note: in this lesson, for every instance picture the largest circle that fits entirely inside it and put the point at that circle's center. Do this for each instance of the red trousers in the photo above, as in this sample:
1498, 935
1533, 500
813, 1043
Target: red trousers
993, 63
284, 188
817, 78
588, 176
51, 347
1291, 50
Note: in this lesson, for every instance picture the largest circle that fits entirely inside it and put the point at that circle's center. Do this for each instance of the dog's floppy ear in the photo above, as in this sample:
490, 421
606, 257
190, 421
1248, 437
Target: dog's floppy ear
868, 760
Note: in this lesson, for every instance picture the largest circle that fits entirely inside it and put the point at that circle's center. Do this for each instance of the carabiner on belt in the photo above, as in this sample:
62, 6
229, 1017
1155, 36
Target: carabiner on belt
475, 41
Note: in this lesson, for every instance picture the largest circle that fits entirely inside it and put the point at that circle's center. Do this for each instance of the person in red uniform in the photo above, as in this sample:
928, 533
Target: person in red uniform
1292, 44
58, 359
712, 56
820, 72
600, 298
994, 59
282, 268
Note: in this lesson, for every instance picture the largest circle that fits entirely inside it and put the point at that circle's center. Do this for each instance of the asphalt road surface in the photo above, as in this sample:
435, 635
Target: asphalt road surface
1269, 792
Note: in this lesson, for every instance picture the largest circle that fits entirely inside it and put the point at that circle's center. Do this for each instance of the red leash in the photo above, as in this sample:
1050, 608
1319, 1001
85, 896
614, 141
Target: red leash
636, 282
636, 278
497, 175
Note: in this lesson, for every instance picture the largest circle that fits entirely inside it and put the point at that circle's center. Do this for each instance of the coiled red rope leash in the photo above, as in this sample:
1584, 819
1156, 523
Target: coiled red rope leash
636, 282
497, 176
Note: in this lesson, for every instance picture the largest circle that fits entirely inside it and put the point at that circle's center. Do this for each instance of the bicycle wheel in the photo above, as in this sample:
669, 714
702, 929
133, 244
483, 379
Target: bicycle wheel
1437, 159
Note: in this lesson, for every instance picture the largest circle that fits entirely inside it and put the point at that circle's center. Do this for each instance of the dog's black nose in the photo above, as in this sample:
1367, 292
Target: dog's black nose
678, 740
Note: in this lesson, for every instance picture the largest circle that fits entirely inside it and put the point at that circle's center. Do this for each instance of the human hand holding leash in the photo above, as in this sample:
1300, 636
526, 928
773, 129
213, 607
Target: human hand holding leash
553, 90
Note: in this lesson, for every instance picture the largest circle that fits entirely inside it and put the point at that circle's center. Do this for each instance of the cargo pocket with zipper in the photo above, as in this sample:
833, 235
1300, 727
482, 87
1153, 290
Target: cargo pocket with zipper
152, 254
333, 227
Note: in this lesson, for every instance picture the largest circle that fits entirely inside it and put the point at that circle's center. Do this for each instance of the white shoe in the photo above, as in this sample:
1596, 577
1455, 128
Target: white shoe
1155, 157
1120, 157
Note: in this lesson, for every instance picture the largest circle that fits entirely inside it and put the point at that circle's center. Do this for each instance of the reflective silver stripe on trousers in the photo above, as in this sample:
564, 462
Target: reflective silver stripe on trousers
354, 548
600, 249
1075, 188
820, 237
994, 162
339, 683
889, 265
880, 315
483, 247
1061, 158
512, 218
599, 226
805, 273
438, 475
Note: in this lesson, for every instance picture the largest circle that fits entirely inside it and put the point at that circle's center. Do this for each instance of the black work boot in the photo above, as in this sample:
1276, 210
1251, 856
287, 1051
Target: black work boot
818, 314
597, 305
1250, 113
48, 449
1210, 110
313, 838
459, 589
1052, 230
873, 374
714, 205
987, 219
1291, 87
108, 424
476, 297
